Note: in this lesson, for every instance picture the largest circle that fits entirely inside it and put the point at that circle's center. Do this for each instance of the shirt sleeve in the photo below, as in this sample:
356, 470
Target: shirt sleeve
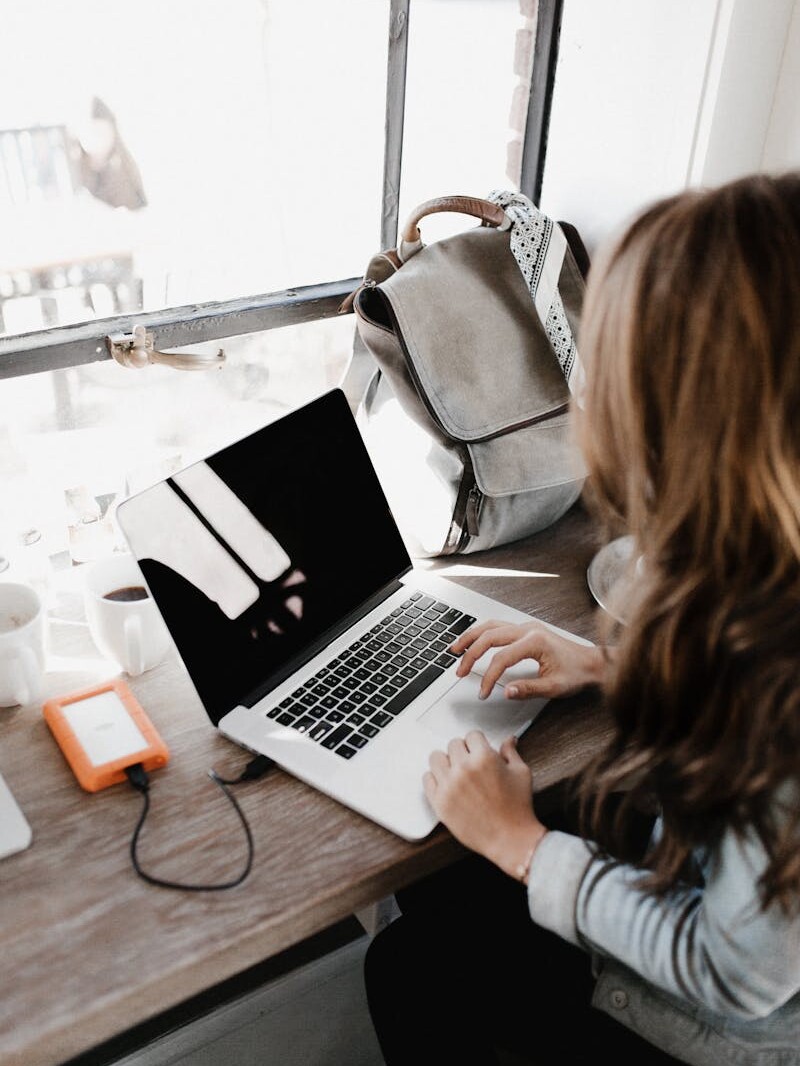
712, 946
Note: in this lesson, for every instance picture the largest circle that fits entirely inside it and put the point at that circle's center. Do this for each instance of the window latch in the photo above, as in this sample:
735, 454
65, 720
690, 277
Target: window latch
136, 350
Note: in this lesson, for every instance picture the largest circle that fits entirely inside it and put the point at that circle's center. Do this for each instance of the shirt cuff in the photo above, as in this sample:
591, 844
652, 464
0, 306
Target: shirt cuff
557, 869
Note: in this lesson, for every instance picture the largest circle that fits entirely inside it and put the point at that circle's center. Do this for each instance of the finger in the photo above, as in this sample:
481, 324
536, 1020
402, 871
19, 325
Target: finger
469, 635
429, 785
532, 688
475, 741
439, 764
492, 638
457, 751
516, 652
509, 751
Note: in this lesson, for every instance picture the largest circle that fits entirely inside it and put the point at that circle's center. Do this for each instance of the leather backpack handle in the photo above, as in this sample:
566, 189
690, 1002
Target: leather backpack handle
490, 214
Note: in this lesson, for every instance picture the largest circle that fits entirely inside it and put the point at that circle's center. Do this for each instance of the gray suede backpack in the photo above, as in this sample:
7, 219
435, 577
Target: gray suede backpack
462, 374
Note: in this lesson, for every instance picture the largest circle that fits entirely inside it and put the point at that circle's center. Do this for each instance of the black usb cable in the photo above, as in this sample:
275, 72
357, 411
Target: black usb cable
138, 777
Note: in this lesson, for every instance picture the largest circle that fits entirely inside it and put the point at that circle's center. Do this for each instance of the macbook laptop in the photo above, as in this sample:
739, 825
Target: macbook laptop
306, 631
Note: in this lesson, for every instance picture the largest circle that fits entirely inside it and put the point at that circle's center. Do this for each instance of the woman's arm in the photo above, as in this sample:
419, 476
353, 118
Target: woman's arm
713, 946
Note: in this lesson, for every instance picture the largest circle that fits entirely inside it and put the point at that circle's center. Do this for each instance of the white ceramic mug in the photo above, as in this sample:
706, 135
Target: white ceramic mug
22, 659
128, 630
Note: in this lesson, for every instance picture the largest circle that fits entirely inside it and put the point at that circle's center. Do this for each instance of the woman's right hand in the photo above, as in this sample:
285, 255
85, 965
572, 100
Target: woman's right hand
565, 667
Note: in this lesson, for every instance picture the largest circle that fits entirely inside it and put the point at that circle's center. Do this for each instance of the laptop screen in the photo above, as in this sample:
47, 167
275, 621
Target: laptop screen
255, 555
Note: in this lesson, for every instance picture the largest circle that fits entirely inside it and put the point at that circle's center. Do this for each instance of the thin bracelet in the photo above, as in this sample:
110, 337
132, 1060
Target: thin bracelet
524, 868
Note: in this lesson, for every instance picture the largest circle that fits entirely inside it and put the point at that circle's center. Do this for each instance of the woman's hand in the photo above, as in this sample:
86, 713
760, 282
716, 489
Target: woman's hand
565, 667
485, 798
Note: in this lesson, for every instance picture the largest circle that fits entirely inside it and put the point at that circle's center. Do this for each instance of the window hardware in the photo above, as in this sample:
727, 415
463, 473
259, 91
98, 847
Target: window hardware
136, 350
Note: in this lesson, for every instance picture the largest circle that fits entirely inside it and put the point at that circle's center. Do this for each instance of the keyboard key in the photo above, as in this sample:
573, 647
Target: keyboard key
302, 725
458, 627
389, 690
334, 716
285, 718
412, 690
285, 703
368, 730
321, 729
382, 656
380, 719
355, 719
349, 684
379, 679
428, 654
416, 595
308, 700
446, 660
369, 687
358, 697
357, 740
335, 738
345, 751
409, 672
346, 706
329, 703
377, 700
276, 710
362, 674
317, 712
438, 627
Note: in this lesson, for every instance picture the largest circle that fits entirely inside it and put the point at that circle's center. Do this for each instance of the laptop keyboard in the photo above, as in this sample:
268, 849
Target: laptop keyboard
354, 696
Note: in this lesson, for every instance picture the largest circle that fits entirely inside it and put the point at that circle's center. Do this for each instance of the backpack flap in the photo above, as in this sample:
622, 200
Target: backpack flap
473, 342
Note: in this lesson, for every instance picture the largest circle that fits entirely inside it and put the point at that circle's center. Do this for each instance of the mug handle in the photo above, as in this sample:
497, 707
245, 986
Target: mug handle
134, 652
27, 682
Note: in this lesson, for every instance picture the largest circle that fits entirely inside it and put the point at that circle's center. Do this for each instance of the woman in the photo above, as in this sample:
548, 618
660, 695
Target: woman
684, 947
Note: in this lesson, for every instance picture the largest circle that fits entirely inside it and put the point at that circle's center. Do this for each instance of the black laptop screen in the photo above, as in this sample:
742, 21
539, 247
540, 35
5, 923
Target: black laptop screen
254, 555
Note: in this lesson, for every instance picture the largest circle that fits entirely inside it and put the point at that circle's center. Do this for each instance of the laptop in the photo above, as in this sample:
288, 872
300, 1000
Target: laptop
306, 631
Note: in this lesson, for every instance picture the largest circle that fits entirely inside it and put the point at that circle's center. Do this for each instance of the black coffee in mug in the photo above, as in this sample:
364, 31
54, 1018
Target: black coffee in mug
127, 594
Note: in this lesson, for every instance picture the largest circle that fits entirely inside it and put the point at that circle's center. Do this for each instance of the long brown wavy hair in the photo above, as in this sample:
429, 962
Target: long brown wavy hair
691, 433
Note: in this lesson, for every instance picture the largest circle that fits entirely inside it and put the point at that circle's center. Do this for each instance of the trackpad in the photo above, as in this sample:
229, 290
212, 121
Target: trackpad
460, 710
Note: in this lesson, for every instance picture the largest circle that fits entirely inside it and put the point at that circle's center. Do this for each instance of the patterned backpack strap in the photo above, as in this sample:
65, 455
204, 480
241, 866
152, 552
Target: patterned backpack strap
538, 244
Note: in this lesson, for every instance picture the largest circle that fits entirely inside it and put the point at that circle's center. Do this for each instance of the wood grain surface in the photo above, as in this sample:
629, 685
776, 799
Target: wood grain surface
90, 950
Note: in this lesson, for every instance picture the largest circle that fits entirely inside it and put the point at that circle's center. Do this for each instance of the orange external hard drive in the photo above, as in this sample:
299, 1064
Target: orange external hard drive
102, 730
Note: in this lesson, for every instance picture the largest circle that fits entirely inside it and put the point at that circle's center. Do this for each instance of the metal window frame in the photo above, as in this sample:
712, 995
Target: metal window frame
67, 346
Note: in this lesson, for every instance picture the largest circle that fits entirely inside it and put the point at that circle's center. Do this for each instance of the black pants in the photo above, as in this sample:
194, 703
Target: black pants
465, 977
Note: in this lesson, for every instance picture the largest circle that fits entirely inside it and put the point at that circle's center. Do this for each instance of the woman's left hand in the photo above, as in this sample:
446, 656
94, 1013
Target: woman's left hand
485, 798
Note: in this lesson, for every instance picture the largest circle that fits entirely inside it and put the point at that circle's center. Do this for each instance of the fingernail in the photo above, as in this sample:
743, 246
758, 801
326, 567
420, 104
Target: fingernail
512, 690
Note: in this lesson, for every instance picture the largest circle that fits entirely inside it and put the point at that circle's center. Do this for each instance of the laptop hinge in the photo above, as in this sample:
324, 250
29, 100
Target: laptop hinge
322, 642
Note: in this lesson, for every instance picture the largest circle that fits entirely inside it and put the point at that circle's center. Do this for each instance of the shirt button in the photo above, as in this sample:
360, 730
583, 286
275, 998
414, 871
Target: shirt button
619, 999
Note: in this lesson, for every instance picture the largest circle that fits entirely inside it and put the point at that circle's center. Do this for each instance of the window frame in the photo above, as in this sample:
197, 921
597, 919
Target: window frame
67, 346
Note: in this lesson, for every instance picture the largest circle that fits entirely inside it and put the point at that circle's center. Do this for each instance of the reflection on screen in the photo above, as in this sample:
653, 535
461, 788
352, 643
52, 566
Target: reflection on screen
255, 553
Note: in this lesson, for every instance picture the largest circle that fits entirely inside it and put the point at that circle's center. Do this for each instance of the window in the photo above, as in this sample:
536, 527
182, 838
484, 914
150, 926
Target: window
221, 176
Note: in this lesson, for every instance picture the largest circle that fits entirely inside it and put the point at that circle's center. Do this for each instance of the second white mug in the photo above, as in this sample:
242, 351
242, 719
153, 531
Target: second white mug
22, 659
124, 621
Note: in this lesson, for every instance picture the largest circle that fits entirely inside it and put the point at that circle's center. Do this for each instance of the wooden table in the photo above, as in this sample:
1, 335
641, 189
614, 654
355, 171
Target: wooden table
90, 951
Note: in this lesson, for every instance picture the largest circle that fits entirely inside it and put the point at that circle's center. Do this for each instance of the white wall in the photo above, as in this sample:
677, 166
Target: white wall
782, 146
654, 95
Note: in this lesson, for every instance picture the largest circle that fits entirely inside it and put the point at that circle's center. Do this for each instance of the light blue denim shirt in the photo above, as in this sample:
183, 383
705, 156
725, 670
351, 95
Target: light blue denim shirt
704, 973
